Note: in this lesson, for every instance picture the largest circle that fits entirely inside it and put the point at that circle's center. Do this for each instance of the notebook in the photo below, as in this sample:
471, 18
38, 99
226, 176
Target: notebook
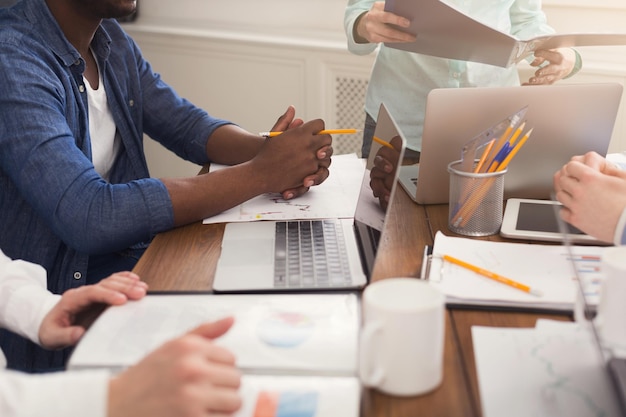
567, 120
257, 257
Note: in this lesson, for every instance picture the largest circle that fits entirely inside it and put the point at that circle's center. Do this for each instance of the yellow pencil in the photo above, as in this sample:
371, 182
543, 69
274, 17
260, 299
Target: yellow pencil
382, 142
493, 275
518, 131
321, 132
483, 158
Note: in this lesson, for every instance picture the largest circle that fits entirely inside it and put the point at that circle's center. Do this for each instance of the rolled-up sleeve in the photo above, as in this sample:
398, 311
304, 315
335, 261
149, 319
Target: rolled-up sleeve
354, 9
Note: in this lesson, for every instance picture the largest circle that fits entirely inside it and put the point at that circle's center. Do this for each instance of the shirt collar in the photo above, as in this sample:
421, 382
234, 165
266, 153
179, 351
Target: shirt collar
37, 11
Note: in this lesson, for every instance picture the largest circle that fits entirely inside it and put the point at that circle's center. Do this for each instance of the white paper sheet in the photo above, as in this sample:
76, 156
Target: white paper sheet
553, 370
334, 198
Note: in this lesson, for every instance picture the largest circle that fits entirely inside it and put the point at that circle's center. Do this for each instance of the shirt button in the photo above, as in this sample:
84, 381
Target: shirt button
131, 103
81, 88
77, 275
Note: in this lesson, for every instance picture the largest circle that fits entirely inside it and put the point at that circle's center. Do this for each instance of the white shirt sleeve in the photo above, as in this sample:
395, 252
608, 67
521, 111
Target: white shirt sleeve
24, 299
24, 302
59, 394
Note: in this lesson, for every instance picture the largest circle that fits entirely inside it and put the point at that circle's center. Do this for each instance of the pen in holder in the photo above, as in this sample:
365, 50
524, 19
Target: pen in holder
476, 201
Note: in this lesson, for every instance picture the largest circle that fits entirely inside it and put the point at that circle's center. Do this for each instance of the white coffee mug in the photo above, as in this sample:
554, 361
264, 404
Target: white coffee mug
402, 339
611, 317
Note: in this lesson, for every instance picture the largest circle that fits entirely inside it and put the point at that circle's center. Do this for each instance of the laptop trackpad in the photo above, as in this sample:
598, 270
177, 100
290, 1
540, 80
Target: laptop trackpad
246, 252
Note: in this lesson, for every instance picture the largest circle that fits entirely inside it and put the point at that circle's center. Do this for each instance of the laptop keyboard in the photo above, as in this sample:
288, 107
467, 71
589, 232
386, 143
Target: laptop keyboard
310, 254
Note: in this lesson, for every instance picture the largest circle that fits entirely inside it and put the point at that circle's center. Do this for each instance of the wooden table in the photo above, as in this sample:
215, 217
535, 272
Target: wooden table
184, 259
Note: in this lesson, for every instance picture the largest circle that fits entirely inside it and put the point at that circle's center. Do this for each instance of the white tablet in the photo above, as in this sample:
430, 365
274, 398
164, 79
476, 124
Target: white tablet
536, 220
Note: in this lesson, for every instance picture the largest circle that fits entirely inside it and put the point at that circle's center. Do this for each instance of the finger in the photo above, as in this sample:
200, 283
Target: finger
68, 336
214, 329
285, 120
319, 177
77, 299
127, 284
294, 192
325, 153
296, 123
223, 401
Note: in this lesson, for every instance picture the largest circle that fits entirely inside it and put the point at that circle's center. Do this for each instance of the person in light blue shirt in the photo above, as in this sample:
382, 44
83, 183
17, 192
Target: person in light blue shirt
593, 193
402, 80
76, 196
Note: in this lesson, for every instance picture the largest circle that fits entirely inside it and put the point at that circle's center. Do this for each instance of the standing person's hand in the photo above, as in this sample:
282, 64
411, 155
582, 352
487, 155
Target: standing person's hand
376, 25
555, 64
189, 376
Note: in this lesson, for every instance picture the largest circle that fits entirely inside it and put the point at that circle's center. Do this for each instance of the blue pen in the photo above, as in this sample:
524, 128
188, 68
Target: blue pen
502, 153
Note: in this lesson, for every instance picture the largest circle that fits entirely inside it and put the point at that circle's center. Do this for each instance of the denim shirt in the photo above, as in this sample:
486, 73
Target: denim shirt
55, 209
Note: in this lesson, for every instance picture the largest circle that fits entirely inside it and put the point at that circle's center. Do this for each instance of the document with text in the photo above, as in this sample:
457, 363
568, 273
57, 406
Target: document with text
293, 349
546, 269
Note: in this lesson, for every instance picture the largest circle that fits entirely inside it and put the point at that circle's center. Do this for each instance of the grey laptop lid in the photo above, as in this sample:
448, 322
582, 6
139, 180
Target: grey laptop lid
567, 120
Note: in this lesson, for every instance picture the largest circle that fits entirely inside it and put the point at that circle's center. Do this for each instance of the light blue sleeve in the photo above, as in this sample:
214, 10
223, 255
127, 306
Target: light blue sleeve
353, 10
528, 19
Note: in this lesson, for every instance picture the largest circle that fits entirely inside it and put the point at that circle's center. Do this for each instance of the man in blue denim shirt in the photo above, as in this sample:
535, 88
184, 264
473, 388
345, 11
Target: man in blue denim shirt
56, 208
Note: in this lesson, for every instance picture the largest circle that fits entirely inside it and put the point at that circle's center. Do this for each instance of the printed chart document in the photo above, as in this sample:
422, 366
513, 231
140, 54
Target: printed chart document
552, 370
334, 198
298, 352
545, 268
444, 31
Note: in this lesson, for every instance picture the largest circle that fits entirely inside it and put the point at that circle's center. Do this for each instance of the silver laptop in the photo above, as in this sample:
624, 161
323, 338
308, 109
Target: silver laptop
567, 120
269, 256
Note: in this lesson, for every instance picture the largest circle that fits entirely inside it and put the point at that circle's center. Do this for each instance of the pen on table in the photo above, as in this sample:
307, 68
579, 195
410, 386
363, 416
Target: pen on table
382, 142
493, 275
321, 132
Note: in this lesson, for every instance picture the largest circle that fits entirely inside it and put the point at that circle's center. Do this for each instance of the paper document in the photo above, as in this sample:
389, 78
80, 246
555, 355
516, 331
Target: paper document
273, 333
545, 268
551, 370
297, 352
446, 32
334, 198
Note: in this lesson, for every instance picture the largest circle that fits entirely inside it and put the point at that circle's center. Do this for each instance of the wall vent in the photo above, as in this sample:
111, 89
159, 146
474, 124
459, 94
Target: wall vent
349, 113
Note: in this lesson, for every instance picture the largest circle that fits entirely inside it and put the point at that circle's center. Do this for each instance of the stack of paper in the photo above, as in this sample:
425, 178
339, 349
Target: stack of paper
298, 352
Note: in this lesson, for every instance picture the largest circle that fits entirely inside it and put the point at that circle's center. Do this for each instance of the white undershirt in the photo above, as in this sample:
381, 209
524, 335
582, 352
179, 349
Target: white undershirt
105, 144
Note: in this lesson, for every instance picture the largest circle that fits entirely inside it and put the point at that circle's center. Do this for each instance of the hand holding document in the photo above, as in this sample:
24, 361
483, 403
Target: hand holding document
446, 32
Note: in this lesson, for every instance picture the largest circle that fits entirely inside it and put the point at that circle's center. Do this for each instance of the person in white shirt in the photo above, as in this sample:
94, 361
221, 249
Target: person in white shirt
593, 193
188, 376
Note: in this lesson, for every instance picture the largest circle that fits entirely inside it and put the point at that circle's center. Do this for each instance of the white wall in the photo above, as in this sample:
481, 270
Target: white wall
246, 60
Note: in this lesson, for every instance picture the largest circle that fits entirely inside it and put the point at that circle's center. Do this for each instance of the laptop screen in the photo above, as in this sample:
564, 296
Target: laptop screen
369, 217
